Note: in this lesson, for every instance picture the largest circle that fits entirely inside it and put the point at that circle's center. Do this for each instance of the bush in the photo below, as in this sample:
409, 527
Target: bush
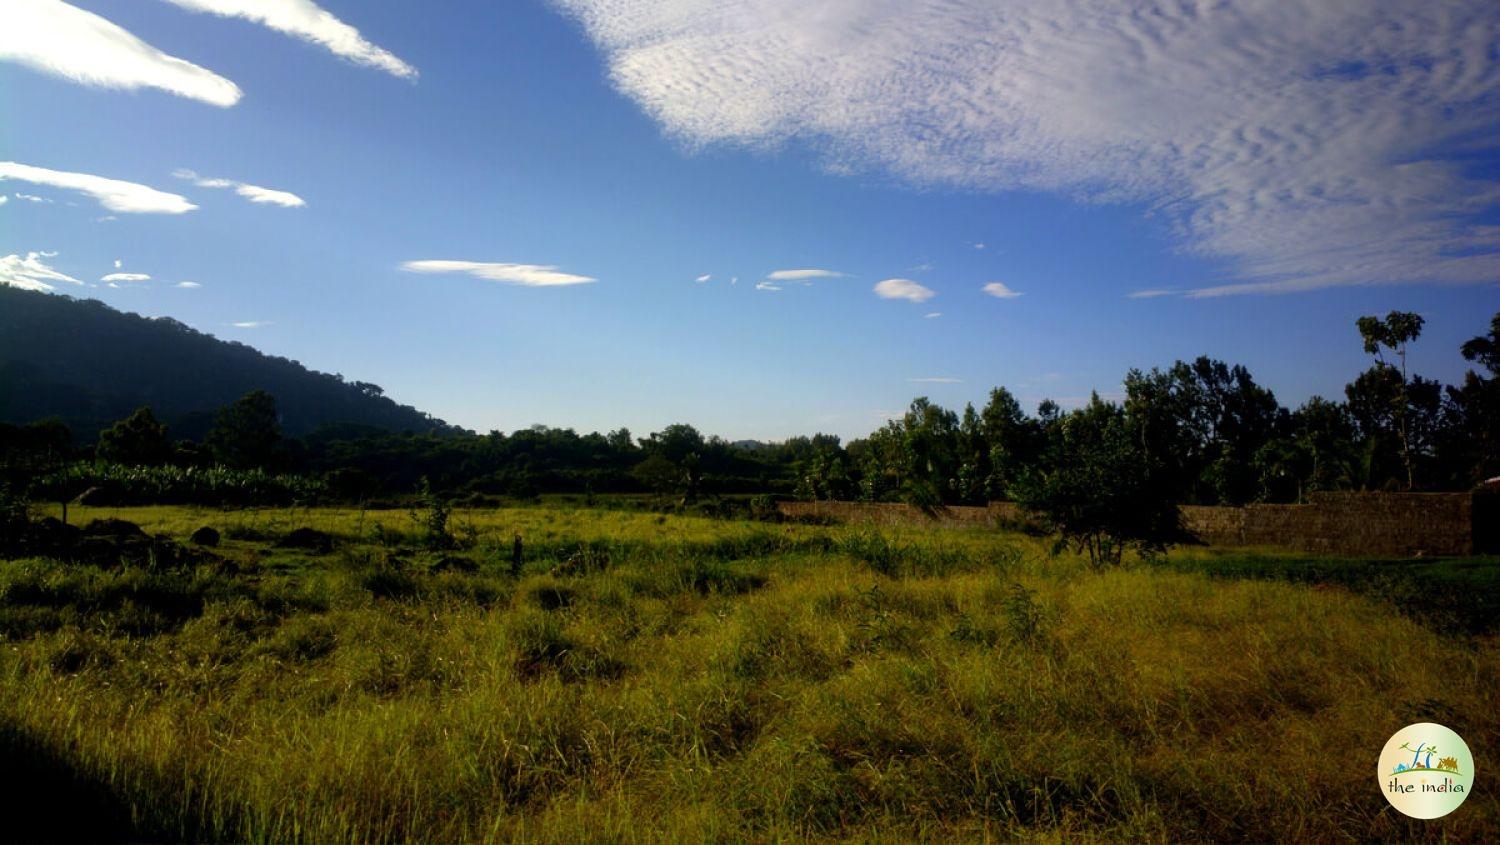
1097, 491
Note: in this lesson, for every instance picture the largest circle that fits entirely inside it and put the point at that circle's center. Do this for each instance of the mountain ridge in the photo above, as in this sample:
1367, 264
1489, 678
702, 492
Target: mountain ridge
89, 364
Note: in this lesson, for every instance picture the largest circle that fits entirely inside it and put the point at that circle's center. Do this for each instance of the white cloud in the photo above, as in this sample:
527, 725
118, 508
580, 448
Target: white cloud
126, 277
903, 289
119, 264
999, 290
31, 272
979, 246
802, 275
258, 194
53, 37
4, 199
1303, 143
936, 380
254, 193
528, 275
767, 286
704, 278
249, 324
188, 285
1150, 294
33, 198
306, 20
932, 315
113, 194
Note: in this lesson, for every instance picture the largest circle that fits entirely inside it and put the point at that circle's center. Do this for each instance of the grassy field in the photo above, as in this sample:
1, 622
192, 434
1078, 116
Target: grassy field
690, 679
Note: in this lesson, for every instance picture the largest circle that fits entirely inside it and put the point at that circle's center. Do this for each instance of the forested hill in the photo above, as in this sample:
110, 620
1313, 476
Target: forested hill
90, 365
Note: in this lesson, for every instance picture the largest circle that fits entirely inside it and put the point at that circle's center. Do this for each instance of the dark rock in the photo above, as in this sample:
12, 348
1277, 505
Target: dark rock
205, 536
307, 539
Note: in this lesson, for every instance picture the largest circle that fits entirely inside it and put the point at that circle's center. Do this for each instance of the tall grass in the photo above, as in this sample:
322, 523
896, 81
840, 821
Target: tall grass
710, 680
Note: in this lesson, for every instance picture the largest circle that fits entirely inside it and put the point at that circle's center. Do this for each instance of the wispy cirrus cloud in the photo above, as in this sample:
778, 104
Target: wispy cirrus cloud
804, 275
706, 277
1153, 293
32, 272
187, 285
63, 40
1000, 290
904, 289
309, 22
932, 315
1303, 144
114, 194
126, 277
526, 275
253, 193
249, 324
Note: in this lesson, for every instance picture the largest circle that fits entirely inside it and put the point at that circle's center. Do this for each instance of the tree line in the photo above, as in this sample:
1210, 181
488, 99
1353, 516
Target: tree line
1204, 431
1200, 432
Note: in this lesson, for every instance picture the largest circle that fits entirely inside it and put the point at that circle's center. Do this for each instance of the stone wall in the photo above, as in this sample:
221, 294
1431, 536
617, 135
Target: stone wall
1357, 524
1366, 524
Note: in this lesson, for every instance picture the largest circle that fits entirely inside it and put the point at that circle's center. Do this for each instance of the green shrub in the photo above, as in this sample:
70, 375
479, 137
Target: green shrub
1024, 617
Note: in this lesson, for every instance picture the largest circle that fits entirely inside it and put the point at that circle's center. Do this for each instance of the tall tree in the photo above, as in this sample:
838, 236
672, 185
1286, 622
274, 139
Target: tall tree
1393, 334
973, 459
682, 446
930, 432
138, 440
1160, 419
29, 451
247, 434
1235, 418
1014, 441
1324, 431
1471, 440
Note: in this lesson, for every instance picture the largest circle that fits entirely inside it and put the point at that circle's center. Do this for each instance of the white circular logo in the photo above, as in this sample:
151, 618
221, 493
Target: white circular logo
1426, 771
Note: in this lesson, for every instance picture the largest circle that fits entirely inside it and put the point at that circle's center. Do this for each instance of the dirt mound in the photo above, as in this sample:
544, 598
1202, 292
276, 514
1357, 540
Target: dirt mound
112, 528
105, 543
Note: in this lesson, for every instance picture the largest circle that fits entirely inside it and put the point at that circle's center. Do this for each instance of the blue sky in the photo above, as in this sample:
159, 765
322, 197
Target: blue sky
1155, 184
